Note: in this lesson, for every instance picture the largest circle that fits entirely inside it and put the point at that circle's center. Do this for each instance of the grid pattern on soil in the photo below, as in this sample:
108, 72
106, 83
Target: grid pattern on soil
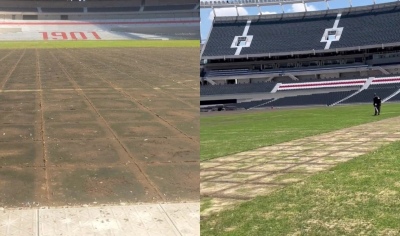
98, 125
229, 180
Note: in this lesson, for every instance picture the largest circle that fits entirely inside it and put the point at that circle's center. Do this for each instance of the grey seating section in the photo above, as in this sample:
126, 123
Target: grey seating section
113, 9
46, 9
270, 36
395, 98
377, 86
303, 34
234, 72
312, 99
324, 80
367, 95
288, 35
236, 88
369, 28
247, 105
169, 7
18, 9
221, 38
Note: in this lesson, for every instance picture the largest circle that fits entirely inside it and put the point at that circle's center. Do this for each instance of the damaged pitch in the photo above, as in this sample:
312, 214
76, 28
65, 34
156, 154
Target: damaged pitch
79, 126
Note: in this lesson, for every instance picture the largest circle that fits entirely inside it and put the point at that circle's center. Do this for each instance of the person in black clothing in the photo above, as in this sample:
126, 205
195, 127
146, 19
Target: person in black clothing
377, 104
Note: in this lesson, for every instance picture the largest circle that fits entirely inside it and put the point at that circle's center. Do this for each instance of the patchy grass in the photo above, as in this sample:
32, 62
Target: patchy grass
99, 44
205, 203
359, 197
232, 133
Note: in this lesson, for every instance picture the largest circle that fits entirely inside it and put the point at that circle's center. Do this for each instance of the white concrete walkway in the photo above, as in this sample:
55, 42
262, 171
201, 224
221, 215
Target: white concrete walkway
147, 219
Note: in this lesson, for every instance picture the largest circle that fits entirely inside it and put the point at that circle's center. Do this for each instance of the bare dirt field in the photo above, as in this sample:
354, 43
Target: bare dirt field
94, 126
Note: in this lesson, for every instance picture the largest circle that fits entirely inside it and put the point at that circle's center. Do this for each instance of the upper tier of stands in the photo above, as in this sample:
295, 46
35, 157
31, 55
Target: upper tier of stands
71, 9
170, 7
112, 9
304, 33
96, 6
18, 9
369, 28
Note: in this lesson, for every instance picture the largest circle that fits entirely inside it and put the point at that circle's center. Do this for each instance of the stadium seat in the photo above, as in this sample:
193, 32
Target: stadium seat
208, 90
312, 99
304, 33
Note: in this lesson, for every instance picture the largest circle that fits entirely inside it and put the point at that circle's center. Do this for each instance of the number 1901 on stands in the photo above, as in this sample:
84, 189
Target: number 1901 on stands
70, 36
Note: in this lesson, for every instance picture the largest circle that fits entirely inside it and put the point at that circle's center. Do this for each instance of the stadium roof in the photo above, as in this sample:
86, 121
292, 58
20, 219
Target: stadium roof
250, 3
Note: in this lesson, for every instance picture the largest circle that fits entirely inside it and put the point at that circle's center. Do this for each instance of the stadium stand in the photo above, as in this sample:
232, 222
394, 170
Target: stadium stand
62, 10
236, 88
365, 96
214, 73
237, 72
170, 7
18, 9
99, 20
252, 104
113, 9
221, 37
380, 28
293, 35
384, 86
312, 99
357, 46
395, 98
305, 33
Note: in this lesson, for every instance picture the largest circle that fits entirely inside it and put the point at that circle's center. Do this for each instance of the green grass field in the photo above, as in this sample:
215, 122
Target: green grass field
359, 197
231, 133
98, 44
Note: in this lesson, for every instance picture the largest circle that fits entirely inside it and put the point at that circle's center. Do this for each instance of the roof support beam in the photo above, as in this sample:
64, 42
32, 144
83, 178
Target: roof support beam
259, 9
327, 5
283, 11
250, 3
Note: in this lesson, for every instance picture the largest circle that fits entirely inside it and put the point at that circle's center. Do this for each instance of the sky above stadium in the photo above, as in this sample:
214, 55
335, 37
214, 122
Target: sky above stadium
207, 15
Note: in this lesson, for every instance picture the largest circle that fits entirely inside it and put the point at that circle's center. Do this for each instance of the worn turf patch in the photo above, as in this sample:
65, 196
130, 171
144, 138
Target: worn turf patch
102, 185
359, 197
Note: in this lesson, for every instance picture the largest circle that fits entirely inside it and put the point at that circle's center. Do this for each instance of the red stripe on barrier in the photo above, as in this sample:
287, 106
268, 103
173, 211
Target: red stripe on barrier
321, 84
386, 80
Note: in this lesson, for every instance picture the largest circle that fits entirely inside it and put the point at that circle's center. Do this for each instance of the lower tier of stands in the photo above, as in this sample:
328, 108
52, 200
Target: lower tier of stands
367, 95
388, 91
252, 104
312, 99
325, 99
